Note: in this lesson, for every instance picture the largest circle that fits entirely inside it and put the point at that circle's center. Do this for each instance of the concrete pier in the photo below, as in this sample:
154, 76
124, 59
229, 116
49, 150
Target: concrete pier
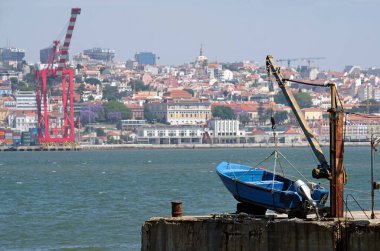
232, 232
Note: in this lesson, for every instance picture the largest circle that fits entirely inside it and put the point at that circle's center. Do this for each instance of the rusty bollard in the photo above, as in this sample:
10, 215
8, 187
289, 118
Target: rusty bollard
176, 208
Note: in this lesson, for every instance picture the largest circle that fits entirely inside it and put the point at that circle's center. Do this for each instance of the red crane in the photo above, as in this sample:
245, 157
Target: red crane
64, 129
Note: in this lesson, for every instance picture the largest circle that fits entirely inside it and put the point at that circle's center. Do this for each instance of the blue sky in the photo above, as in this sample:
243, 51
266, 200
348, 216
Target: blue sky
343, 31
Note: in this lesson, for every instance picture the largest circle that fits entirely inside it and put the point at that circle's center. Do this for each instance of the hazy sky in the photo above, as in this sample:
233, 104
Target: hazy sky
343, 31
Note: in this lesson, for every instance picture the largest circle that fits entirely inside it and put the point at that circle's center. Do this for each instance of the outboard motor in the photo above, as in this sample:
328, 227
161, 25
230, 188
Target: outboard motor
305, 192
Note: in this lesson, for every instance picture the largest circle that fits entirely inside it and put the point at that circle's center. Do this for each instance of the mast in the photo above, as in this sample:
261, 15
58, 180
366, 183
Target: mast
336, 156
323, 169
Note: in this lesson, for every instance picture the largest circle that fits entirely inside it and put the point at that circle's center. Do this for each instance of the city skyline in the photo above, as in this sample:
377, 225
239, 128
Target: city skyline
344, 32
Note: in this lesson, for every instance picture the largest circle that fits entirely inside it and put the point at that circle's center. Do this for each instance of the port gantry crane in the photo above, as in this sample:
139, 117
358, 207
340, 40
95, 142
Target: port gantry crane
308, 60
335, 171
64, 130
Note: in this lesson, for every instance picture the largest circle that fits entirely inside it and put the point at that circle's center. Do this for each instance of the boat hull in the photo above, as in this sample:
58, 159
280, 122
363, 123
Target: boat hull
262, 188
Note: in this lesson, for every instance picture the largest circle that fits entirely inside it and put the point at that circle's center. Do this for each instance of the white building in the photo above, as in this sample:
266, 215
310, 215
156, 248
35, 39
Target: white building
26, 100
182, 113
22, 121
170, 135
226, 131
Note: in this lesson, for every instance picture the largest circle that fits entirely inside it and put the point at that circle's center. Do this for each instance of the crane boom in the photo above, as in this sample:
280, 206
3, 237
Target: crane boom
66, 44
323, 170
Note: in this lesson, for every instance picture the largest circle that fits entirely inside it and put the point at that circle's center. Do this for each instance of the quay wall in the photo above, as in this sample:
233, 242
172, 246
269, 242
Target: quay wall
244, 233
159, 146
203, 146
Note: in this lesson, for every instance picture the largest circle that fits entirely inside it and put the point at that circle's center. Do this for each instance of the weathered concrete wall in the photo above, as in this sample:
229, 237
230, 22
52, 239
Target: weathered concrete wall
243, 233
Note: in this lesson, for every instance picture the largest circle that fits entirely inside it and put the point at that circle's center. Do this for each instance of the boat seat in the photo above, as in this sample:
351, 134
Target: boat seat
277, 185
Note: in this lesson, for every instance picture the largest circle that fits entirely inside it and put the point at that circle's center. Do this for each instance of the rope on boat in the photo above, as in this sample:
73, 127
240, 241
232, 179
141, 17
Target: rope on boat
293, 166
254, 167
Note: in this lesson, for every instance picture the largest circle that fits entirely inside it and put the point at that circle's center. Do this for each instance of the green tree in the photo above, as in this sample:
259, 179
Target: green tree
302, 98
244, 119
100, 132
280, 117
14, 83
189, 91
149, 116
81, 89
223, 112
22, 86
113, 106
93, 81
138, 85
110, 93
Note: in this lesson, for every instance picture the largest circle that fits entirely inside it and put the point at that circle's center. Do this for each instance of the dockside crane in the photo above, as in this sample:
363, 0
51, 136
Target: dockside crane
335, 171
287, 60
65, 132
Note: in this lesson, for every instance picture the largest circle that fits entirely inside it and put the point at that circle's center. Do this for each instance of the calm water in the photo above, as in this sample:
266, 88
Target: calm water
99, 200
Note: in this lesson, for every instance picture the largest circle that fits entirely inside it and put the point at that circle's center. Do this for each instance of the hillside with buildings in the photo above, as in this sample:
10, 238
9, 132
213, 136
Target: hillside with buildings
140, 101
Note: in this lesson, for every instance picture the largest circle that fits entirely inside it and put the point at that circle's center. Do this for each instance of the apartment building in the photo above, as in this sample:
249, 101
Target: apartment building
182, 112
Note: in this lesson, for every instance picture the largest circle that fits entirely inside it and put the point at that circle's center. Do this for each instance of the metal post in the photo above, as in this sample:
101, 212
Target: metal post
372, 186
336, 157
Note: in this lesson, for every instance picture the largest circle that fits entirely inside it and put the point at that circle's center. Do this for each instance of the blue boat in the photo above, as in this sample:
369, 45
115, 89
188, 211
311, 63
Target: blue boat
266, 190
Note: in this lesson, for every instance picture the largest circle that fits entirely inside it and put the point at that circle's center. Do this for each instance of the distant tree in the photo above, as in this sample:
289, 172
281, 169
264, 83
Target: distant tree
30, 77
100, 132
244, 119
79, 79
101, 70
93, 81
116, 111
14, 83
149, 116
279, 98
79, 67
266, 114
92, 113
280, 117
223, 112
303, 99
22, 86
138, 85
189, 91
110, 93
81, 89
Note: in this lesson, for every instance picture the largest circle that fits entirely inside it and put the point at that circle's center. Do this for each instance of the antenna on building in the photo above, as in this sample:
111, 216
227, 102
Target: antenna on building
201, 50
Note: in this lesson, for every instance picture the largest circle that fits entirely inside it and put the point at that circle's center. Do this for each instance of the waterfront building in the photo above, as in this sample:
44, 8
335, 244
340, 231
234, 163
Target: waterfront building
226, 131
132, 124
100, 54
357, 128
22, 120
181, 112
137, 110
170, 134
145, 58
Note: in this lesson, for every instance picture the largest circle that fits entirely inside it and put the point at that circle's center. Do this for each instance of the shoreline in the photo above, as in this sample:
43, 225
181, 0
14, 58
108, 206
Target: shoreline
206, 146
165, 146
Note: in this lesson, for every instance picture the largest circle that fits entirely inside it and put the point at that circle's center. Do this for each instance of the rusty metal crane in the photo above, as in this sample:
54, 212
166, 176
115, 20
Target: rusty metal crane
335, 171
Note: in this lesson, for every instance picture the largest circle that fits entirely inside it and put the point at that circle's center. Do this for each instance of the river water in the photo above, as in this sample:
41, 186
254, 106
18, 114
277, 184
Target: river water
99, 200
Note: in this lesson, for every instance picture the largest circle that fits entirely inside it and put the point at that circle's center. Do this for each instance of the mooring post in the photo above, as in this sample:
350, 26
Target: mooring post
176, 208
